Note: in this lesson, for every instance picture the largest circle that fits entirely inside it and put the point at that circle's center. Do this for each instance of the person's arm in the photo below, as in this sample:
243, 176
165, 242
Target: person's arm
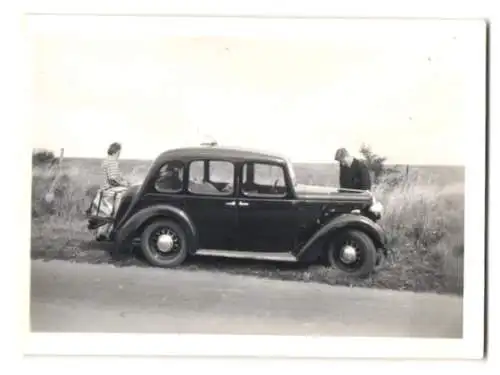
364, 177
342, 177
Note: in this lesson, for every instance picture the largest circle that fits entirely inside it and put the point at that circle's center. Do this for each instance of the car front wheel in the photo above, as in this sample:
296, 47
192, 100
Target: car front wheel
164, 243
353, 252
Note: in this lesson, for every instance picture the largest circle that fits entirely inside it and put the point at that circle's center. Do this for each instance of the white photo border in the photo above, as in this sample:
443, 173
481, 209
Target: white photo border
471, 346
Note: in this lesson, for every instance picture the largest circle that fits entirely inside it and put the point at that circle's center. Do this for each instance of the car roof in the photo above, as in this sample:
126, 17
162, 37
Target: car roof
219, 152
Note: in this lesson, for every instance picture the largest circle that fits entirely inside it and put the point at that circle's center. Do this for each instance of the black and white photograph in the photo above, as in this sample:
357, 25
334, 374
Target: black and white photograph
282, 179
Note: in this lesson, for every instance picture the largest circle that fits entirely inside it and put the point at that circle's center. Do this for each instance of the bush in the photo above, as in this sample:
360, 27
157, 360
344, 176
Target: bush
43, 157
70, 199
374, 162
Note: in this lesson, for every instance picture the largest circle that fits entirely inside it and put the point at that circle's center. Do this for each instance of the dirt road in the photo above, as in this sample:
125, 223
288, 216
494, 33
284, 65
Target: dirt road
102, 298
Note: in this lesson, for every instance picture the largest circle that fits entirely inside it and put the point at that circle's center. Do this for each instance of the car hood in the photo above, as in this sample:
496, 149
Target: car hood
331, 193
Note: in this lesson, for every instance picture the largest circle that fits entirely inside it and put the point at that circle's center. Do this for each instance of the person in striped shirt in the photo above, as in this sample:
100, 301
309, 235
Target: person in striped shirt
113, 176
107, 199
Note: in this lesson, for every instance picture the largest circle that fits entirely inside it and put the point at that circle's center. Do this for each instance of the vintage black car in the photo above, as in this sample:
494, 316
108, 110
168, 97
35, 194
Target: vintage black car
244, 203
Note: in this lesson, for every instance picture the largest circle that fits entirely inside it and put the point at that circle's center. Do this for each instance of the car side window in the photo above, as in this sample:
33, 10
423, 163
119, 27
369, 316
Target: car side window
268, 180
219, 180
170, 176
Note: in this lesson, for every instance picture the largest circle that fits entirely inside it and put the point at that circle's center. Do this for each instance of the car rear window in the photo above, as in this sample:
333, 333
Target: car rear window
170, 176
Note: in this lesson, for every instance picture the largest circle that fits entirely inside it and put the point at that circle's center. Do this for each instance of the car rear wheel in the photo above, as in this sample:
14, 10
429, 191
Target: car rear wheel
353, 252
164, 243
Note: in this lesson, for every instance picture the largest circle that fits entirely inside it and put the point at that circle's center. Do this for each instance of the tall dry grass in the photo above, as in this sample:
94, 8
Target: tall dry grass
74, 190
423, 220
425, 223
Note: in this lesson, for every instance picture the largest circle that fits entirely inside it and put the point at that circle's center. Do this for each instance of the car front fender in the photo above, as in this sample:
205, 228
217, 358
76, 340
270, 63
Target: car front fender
133, 223
345, 221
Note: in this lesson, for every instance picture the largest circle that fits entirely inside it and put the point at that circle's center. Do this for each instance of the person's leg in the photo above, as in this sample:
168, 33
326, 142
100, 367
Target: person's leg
102, 208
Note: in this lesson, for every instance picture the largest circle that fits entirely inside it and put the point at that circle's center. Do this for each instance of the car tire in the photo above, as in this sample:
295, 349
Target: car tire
364, 249
153, 252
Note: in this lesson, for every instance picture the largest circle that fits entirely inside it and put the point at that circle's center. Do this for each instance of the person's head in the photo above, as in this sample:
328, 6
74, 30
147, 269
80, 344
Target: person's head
114, 149
171, 170
343, 157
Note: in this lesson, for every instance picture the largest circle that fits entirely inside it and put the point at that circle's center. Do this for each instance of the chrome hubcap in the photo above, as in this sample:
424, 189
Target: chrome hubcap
165, 243
348, 254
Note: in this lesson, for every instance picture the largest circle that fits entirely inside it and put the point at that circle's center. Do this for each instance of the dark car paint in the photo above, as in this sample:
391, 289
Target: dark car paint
216, 231
293, 223
126, 200
342, 221
137, 220
267, 225
222, 153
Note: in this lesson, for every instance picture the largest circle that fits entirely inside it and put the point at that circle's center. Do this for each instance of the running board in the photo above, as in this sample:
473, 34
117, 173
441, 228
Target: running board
279, 257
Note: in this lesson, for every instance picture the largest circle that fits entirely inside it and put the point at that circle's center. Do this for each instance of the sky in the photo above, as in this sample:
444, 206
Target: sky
409, 89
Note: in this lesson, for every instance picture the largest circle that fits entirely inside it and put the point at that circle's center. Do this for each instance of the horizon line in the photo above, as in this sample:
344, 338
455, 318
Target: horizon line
293, 162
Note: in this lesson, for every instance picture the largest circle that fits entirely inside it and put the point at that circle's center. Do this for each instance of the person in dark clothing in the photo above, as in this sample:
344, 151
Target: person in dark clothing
354, 173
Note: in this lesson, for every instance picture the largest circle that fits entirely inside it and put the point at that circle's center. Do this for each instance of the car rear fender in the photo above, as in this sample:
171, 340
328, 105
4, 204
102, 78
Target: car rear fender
341, 222
139, 219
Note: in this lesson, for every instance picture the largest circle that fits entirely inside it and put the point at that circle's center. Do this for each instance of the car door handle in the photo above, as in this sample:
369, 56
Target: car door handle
233, 203
244, 204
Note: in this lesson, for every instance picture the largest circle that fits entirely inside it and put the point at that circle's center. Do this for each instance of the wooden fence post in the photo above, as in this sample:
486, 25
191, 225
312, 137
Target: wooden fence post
49, 197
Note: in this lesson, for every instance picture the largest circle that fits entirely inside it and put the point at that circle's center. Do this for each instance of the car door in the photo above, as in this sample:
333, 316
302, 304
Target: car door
267, 220
213, 211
